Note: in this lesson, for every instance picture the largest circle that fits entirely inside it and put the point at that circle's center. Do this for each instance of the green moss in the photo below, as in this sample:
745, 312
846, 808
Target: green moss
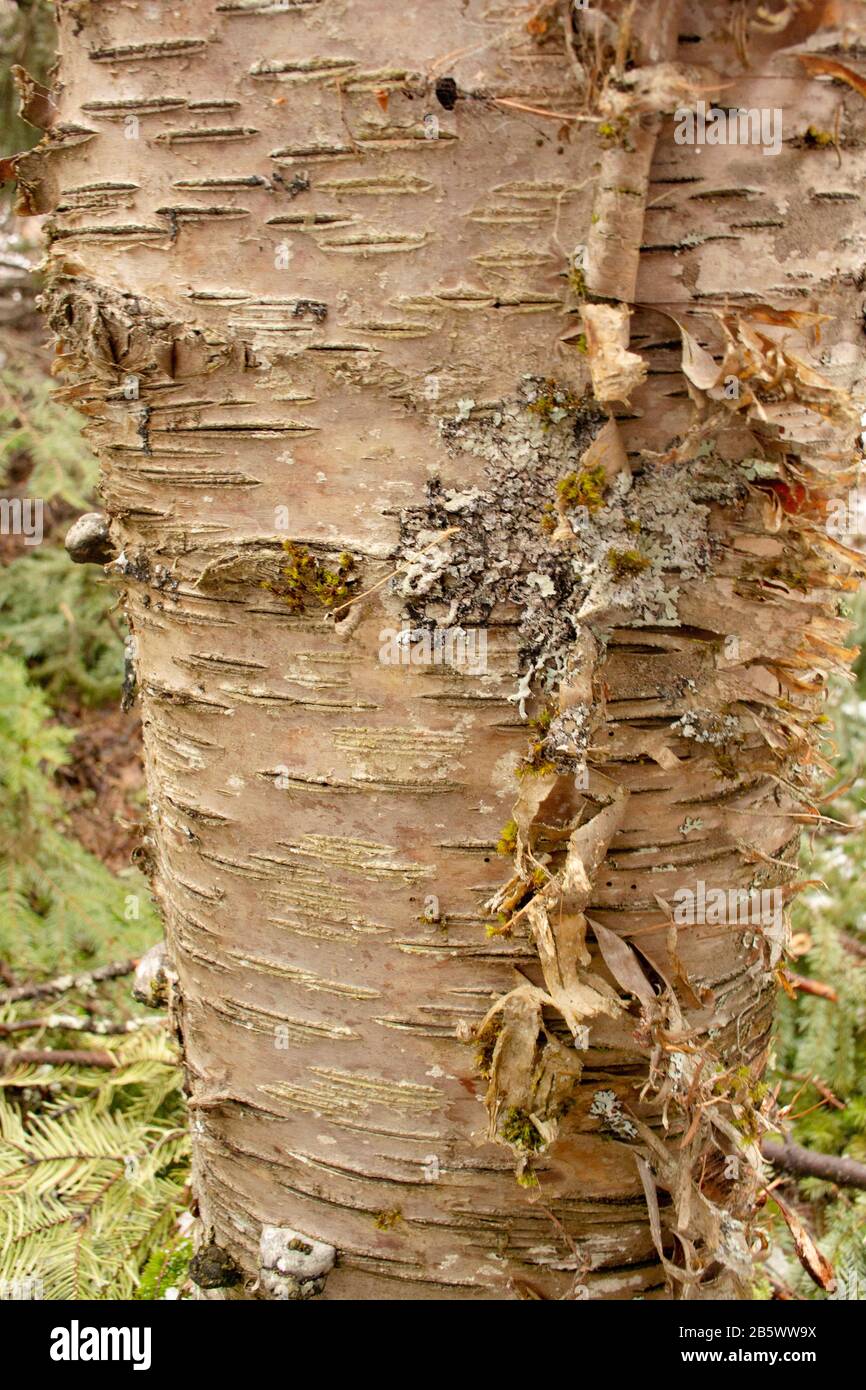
543, 719
818, 139
725, 766
518, 1130
485, 1046
614, 131
508, 838
626, 563
554, 403
304, 579
790, 574
536, 763
387, 1220
577, 285
583, 489
494, 929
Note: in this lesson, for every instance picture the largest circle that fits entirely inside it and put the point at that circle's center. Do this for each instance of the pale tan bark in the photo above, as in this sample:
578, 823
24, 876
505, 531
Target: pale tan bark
306, 798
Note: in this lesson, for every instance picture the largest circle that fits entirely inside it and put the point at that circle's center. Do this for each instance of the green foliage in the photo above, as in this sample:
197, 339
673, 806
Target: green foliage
41, 439
28, 37
166, 1269
93, 1163
93, 1183
817, 1040
94, 1153
55, 615
60, 908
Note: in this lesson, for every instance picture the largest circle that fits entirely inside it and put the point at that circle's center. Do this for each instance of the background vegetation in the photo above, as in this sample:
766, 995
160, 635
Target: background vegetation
94, 1201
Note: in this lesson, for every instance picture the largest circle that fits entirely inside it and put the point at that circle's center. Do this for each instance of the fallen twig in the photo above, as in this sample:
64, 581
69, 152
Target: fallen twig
68, 1023
807, 1163
51, 1057
61, 984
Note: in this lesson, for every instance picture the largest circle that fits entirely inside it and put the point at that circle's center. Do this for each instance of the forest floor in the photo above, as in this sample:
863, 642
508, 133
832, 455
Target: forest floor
103, 783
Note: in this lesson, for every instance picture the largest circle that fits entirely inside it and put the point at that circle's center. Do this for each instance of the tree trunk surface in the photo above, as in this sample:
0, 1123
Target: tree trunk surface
331, 280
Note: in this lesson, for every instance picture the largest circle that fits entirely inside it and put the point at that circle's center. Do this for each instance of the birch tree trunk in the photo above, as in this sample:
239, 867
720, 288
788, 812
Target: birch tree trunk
354, 288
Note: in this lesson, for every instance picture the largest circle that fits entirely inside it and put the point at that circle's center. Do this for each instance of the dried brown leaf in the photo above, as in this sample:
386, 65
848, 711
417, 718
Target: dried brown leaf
652, 1202
622, 962
699, 366
816, 1265
829, 67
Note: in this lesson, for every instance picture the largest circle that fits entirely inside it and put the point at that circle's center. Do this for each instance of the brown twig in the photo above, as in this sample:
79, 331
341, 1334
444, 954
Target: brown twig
564, 116
61, 984
852, 945
52, 1057
817, 1084
60, 1024
806, 1163
804, 985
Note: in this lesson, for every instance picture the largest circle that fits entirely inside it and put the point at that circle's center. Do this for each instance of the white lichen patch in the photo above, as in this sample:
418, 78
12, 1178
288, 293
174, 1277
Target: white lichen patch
502, 553
568, 733
650, 536
706, 726
689, 824
530, 538
608, 1109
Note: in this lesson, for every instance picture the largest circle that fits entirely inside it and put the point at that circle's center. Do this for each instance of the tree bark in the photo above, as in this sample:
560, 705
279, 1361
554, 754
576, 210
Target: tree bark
312, 270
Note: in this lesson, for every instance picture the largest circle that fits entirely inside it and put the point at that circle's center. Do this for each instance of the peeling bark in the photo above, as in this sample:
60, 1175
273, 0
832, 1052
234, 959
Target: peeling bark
313, 274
